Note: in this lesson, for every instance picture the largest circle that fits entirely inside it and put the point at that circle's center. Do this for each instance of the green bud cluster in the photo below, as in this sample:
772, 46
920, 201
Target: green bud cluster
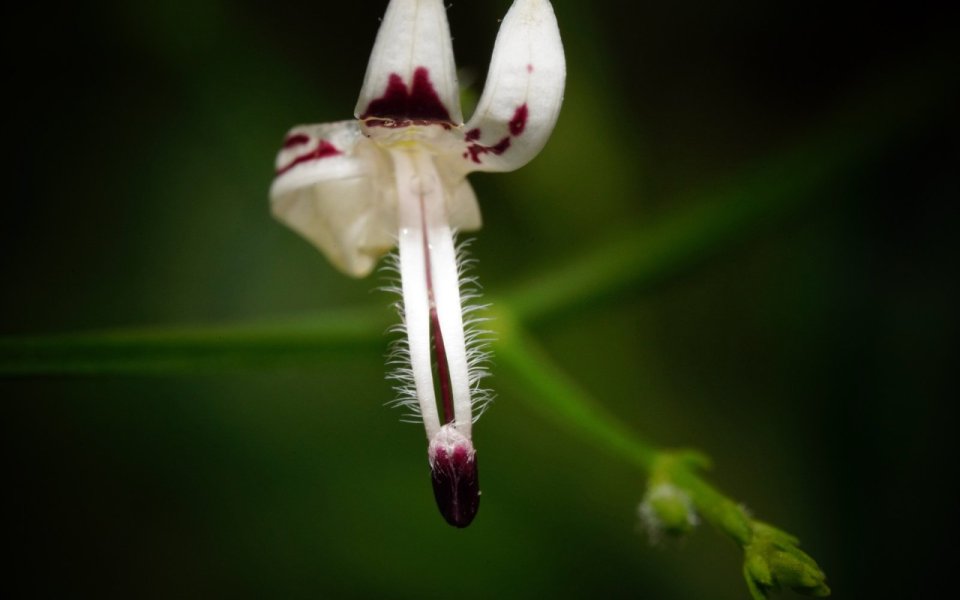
773, 560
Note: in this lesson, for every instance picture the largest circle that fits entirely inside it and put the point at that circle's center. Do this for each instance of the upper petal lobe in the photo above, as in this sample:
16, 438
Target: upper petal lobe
411, 75
523, 93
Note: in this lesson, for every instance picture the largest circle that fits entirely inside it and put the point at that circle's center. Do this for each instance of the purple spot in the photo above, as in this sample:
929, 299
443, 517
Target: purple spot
501, 146
477, 150
529, 68
516, 125
323, 150
399, 106
519, 121
296, 139
456, 485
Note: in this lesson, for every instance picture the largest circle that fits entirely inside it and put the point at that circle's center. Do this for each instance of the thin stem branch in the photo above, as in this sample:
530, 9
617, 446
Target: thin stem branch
263, 344
552, 393
772, 558
640, 257
548, 390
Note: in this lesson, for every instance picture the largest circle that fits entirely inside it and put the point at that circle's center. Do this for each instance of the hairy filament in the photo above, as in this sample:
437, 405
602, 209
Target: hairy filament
416, 301
432, 311
477, 339
436, 333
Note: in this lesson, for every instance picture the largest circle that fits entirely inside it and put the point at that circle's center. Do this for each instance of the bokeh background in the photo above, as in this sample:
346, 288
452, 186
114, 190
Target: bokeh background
810, 359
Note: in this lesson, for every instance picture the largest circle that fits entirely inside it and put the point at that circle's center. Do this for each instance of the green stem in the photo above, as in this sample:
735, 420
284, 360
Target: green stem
552, 393
637, 258
292, 341
546, 388
772, 558
716, 509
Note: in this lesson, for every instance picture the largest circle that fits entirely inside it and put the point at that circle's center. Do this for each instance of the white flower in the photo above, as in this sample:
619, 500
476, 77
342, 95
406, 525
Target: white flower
396, 176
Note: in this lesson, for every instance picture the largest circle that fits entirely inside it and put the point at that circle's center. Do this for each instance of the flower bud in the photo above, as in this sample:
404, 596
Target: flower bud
667, 509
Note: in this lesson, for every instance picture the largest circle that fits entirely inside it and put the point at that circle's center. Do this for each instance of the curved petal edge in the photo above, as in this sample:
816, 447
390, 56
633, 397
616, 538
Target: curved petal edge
327, 190
523, 93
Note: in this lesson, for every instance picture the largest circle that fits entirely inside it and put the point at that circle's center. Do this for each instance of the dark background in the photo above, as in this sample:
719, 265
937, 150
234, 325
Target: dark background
811, 360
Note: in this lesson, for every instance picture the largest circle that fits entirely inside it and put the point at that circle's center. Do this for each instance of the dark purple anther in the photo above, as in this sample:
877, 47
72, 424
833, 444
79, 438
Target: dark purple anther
455, 483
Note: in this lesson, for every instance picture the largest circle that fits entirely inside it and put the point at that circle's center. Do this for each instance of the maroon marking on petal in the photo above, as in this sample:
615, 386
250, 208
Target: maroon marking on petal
323, 150
419, 103
474, 151
529, 68
296, 139
478, 150
519, 121
501, 146
456, 486
472, 135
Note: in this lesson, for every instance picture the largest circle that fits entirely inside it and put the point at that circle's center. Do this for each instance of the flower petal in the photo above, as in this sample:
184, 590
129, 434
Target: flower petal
464, 212
327, 189
523, 92
411, 77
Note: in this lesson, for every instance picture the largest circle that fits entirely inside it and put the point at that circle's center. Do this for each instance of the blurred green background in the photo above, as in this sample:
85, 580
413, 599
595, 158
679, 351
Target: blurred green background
810, 358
